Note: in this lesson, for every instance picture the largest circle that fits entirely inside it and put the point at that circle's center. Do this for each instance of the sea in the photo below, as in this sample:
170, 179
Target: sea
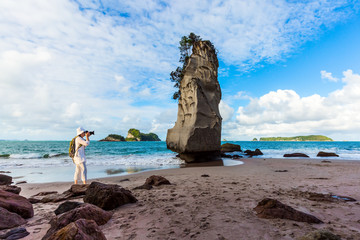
48, 161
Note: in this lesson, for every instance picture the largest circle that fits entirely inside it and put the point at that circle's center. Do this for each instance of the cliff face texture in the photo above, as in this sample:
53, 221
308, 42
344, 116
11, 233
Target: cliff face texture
196, 135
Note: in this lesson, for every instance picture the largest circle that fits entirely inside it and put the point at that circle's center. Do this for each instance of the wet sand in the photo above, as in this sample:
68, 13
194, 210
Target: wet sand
217, 202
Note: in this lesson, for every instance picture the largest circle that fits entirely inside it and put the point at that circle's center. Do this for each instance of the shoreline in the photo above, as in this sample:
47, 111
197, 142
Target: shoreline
220, 206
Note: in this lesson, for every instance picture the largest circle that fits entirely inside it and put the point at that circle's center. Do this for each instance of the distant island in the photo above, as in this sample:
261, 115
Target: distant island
298, 138
134, 135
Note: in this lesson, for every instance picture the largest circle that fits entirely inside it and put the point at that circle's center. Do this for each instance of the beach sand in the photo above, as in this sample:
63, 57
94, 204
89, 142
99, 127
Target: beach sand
220, 206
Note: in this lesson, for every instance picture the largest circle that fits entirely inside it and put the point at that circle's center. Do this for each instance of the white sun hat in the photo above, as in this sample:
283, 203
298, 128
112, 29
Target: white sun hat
80, 130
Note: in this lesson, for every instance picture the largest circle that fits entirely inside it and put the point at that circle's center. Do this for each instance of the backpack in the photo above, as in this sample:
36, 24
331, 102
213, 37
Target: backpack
72, 150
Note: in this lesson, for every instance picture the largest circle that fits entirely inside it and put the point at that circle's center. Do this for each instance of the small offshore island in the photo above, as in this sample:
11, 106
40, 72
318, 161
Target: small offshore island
298, 138
134, 135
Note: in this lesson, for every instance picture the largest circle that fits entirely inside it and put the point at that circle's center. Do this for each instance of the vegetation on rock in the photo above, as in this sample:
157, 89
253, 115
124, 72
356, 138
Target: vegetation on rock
298, 138
176, 76
113, 138
136, 135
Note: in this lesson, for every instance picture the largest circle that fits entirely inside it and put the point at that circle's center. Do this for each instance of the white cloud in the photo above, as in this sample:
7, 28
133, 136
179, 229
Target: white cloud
94, 63
328, 76
226, 111
285, 113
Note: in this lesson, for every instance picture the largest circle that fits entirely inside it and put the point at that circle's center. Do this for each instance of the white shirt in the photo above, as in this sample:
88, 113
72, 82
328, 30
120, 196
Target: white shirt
80, 153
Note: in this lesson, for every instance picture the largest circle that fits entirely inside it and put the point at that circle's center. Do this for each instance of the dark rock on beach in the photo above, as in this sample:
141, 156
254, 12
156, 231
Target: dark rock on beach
67, 206
108, 196
229, 147
9, 219
272, 208
11, 188
5, 179
327, 154
15, 234
321, 234
86, 211
296, 155
257, 152
53, 196
80, 229
155, 180
16, 204
321, 197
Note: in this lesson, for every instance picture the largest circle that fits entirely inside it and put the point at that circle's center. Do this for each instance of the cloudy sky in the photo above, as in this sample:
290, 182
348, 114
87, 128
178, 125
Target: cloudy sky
286, 67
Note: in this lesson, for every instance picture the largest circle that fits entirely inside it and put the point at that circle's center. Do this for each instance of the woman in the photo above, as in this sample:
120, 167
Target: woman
79, 158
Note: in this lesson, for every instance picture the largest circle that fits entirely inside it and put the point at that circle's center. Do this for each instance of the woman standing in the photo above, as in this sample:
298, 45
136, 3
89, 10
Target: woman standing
79, 158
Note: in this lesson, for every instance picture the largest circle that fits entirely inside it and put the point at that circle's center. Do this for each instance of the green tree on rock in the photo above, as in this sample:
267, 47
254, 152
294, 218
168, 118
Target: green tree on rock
186, 44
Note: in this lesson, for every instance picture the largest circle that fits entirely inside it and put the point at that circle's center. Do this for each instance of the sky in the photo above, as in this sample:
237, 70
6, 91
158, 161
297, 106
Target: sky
287, 68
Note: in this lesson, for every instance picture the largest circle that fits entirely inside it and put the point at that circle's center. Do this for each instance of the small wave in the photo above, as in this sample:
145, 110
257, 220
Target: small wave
54, 155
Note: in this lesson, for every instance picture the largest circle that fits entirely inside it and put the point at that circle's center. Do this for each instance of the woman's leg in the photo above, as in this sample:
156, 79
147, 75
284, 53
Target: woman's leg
77, 173
83, 172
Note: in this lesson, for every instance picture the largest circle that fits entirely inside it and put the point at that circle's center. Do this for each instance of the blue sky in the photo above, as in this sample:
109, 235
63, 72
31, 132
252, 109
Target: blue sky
286, 67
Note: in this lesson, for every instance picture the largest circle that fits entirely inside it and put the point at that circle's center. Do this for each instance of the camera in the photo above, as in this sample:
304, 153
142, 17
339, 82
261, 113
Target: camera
91, 132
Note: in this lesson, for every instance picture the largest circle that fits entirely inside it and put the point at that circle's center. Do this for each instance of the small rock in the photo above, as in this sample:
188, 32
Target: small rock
296, 155
11, 188
15, 234
5, 179
321, 234
326, 161
272, 208
80, 229
236, 156
145, 186
281, 170
9, 219
21, 182
327, 154
67, 206
205, 175
155, 180
108, 196
229, 147
257, 152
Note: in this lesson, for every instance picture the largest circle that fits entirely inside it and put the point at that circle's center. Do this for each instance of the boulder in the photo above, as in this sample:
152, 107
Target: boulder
327, 154
9, 219
80, 229
66, 206
15, 234
77, 190
16, 204
86, 211
5, 179
11, 188
272, 208
296, 155
196, 135
257, 152
108, 196
321, 234
229, 147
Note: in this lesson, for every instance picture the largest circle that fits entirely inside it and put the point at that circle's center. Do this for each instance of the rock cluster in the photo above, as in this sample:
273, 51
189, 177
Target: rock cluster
14, 209
196, 135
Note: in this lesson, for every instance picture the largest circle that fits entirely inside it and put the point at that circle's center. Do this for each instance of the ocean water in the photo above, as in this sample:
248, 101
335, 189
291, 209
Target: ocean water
47, 161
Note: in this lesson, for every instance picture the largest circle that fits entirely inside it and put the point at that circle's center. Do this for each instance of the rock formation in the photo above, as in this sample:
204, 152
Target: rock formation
196, 135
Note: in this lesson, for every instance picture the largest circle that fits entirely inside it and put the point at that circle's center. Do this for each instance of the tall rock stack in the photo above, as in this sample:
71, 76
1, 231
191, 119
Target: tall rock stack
196, 135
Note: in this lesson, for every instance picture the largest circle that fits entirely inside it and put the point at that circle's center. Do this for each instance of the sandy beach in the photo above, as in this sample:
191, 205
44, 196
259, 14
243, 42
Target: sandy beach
217, 202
